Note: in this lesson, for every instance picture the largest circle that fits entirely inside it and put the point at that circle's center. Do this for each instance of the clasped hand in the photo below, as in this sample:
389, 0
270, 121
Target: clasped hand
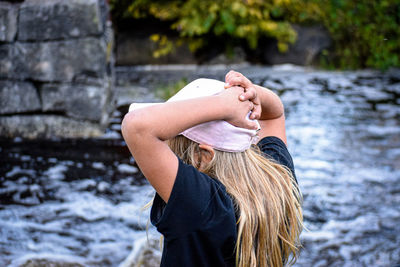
234, 78
236, 110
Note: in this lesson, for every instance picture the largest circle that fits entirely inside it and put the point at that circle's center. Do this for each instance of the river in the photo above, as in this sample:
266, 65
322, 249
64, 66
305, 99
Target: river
80, 201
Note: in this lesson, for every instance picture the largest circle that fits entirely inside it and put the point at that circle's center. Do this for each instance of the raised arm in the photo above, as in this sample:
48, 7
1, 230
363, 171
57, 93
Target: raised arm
268, 107
145, 131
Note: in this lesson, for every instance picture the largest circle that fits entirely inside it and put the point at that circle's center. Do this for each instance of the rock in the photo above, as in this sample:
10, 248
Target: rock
65, 49
374, 95
46, 126
238, 56
393, 75
104, 13
132, 49
146, 253
76, 101
310, 43
126, 168
49, 263
129, 94
40, 19
54, 61
152, 77
6, 60
16, 97
8, 22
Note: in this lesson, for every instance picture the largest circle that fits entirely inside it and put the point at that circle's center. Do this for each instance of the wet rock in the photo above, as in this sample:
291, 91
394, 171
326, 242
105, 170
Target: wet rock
54, 61
40, 19
394, 88
77, 101
46, 126
374, 95
8, 22
49, 263
394, 75
16, 97
125, 168
146, 254
388, 110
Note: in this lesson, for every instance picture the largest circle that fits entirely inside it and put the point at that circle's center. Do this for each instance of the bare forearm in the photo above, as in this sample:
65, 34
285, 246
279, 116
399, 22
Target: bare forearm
271, 104
167, 120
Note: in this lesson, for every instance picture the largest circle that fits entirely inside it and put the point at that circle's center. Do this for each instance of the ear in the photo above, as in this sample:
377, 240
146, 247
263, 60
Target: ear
207, 153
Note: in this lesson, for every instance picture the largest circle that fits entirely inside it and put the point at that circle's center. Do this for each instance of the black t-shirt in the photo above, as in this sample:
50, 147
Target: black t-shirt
199, 223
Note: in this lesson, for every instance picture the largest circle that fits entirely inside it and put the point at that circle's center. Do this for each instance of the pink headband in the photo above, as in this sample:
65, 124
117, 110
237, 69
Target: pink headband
220, 134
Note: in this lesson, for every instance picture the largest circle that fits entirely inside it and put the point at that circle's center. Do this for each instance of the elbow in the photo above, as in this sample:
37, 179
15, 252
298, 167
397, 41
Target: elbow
126, 124
277, 111
132, 126
281, 109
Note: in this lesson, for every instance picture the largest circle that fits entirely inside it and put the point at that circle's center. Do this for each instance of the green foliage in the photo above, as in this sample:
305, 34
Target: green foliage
167, 91
365, 33
234, 19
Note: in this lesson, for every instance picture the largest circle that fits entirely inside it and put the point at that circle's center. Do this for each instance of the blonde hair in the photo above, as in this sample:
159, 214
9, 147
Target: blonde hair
264, 194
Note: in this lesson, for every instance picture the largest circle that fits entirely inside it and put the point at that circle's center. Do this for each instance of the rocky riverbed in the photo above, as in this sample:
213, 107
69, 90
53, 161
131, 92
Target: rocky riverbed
79, 202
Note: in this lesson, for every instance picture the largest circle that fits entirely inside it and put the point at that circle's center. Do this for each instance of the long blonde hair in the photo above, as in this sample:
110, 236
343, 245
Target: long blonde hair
264, 194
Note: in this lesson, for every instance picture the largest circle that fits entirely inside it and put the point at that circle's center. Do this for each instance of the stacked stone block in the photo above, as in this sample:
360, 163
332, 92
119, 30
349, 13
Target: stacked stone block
56, 68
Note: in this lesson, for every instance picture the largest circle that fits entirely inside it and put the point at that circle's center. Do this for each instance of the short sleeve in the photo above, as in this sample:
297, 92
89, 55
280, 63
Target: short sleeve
195, 200
274, 148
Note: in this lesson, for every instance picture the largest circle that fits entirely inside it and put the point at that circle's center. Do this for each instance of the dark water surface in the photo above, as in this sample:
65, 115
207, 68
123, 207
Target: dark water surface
80, 200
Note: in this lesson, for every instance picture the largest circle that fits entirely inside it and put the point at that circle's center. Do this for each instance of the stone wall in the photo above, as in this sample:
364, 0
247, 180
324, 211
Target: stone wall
56, 68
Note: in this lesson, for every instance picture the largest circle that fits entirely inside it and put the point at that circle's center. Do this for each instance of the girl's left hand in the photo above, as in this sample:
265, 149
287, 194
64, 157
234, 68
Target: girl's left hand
234, 78
236, 110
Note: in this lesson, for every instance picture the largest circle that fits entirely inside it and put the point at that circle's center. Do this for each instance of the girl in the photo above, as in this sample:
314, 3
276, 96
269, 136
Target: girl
220, 200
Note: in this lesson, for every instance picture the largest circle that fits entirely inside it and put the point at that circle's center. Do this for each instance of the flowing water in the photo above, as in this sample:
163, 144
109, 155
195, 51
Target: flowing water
81, 201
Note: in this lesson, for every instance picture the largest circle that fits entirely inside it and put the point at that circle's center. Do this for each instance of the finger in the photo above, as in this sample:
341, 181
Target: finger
229, 74
236, 81
248, 95
251, 125
239, 80
238, 87
251, 106
228, 77
256, 112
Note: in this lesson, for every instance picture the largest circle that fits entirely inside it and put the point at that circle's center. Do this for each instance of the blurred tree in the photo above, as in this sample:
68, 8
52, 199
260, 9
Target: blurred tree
196, 20
365, 33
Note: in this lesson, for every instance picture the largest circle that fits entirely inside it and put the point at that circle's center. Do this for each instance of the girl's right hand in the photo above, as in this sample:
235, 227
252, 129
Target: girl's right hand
237, 110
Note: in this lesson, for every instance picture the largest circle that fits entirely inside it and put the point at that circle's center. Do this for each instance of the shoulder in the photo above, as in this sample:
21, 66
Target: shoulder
275, 149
